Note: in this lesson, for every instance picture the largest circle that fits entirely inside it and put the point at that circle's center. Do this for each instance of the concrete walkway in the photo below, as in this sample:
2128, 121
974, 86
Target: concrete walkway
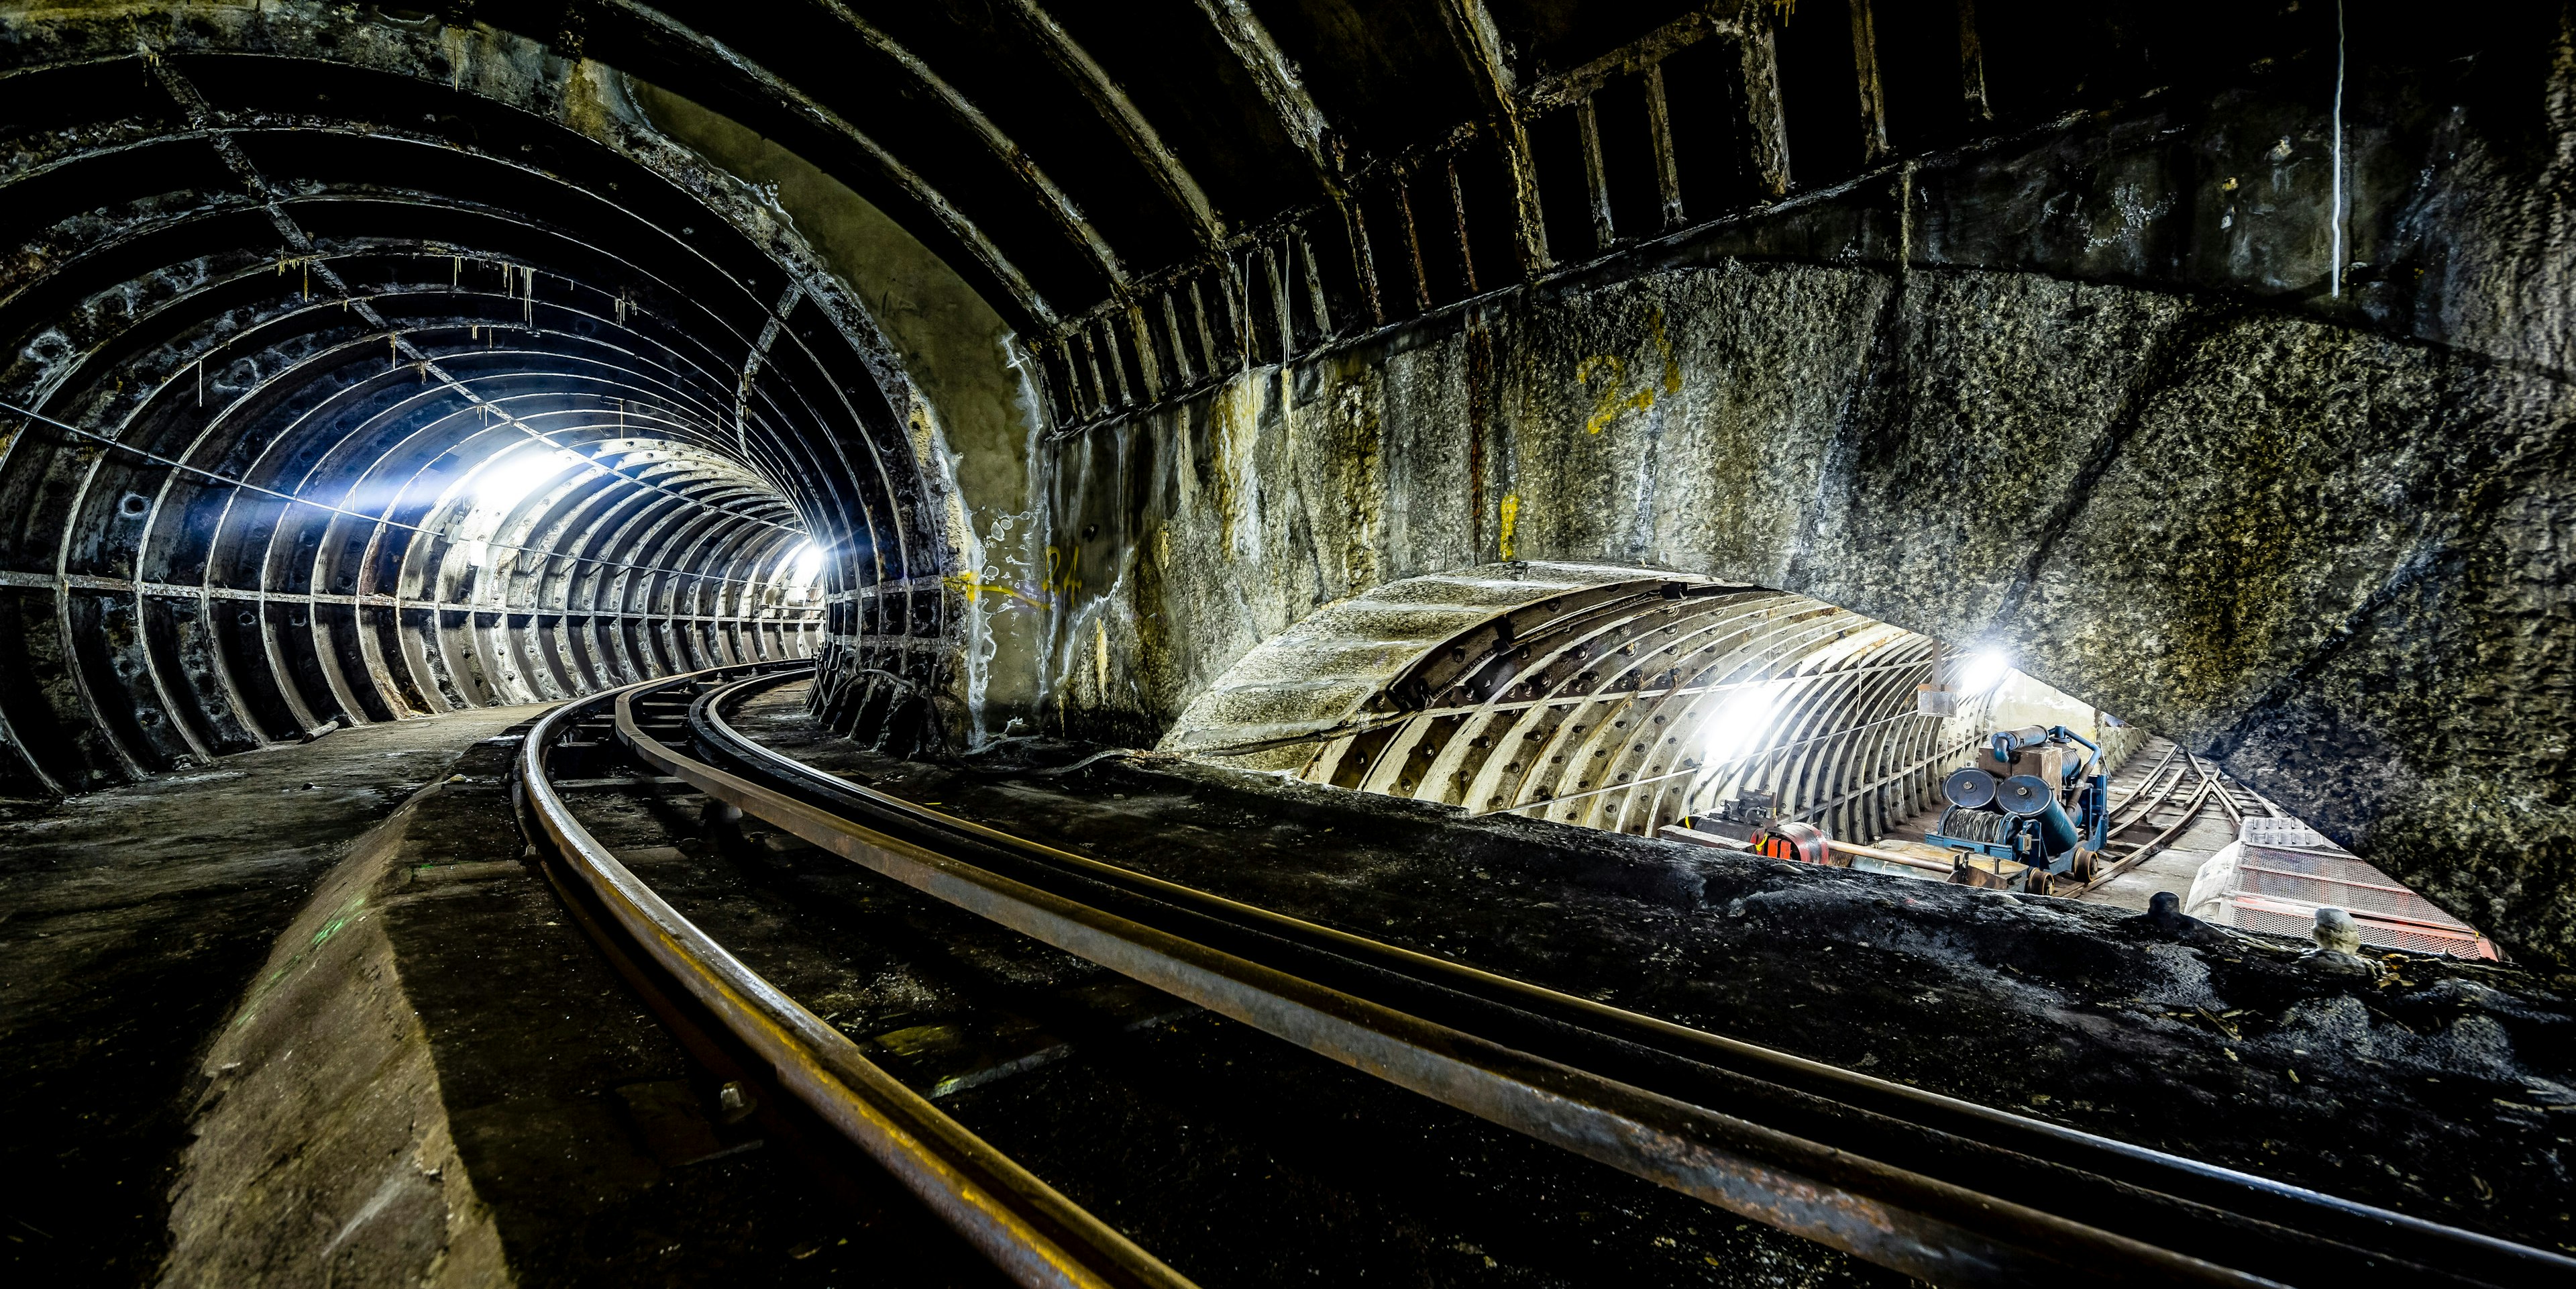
131, 920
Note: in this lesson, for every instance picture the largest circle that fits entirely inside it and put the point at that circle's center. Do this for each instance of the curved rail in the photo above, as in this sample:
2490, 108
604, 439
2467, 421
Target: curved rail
1033, 1233
1940, 1188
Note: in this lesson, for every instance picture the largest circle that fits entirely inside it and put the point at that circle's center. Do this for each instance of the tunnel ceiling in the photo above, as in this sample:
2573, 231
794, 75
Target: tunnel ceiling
1156, 193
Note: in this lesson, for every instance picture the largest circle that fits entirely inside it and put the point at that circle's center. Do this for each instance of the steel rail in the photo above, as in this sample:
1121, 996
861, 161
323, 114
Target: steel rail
2130, 812
1900, 1214
1030, 1231
2191, 808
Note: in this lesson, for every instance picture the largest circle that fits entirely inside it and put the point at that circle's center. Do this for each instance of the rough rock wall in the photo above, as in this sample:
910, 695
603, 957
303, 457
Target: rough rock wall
2089, 398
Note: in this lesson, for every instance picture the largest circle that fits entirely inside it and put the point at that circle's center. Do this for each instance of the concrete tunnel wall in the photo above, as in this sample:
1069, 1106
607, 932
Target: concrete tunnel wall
2132, 444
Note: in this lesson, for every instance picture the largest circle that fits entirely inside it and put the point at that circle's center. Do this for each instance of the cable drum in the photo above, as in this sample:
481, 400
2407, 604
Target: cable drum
1985, 827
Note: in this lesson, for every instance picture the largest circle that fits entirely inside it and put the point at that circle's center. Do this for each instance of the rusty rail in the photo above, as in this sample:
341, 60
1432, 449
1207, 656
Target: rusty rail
1939, 1188
1030, 1231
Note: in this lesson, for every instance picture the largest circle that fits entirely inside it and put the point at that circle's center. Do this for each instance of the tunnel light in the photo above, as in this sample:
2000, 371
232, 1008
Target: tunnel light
809, 564
1738, 726
504, 486
1983, 671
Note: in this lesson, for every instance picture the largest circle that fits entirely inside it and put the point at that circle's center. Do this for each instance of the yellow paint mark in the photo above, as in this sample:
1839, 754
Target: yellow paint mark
1615, 397
975, 588
1100, 654
1511, 521
1063, 574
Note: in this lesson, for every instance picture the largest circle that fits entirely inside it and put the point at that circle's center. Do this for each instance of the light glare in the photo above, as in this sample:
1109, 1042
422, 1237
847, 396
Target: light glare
809, 564
1983, 671
503, 486
1739, 724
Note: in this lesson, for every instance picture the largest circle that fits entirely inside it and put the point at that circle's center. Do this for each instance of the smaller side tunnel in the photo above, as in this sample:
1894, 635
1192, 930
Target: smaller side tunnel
1614, 698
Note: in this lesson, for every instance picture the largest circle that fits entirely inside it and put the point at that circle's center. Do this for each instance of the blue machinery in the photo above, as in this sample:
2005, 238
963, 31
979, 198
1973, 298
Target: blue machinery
2028, 800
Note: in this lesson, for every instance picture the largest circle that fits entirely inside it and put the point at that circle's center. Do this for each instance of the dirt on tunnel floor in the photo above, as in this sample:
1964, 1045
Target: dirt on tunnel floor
131, 920
2431, 1086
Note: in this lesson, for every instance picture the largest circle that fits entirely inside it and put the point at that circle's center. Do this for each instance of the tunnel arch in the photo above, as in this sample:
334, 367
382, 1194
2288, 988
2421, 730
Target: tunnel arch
1617, 698
358, 371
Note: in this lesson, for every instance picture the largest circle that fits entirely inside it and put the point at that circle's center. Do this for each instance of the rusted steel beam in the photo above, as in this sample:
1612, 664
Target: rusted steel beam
1412, 245
1148, 365
1466, 242
1596, 176
1972, 65
1058, 205
1364, 258
1142, 140
1275, 78
1207, 336
1471, 25
1659, 134
1188, 371
1283, 318
1764, 122
1569, 87
987, 255
1873, 95
1117, 362
1305, 248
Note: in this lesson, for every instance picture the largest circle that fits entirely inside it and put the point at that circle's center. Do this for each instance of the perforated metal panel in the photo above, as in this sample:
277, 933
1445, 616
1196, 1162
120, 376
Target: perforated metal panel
2283, 878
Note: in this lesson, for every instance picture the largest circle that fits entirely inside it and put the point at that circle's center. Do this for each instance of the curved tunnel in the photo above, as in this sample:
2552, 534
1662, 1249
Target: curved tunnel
336, 395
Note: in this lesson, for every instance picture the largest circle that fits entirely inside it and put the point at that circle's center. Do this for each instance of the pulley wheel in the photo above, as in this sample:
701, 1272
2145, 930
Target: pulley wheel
2024, 794
1969, 786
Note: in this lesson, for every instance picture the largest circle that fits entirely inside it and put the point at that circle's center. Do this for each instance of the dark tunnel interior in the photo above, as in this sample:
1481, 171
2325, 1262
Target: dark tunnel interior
1527, 504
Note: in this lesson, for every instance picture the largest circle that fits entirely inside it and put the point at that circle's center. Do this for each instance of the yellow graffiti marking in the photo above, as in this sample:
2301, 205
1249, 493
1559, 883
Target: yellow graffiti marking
1100, 654
975, 588
1615, 397
1064, 573
1511, 521
1611, 402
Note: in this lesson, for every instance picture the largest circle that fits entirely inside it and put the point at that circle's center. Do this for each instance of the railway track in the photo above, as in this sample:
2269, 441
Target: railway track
2179, 790
1932, 1186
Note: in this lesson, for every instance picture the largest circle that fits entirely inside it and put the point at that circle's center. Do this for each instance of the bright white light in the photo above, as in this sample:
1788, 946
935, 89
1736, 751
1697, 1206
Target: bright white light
1983, 671
809, 564
1739, 724
503, 486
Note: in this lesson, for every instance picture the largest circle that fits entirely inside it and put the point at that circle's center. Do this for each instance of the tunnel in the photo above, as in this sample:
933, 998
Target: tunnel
1284, 641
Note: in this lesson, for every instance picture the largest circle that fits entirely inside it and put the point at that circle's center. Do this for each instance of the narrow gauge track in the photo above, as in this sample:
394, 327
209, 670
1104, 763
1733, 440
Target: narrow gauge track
1944, 1189
2158, 793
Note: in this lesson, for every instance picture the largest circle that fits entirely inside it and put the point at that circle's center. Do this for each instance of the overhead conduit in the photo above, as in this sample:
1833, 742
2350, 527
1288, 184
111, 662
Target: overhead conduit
336, 396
